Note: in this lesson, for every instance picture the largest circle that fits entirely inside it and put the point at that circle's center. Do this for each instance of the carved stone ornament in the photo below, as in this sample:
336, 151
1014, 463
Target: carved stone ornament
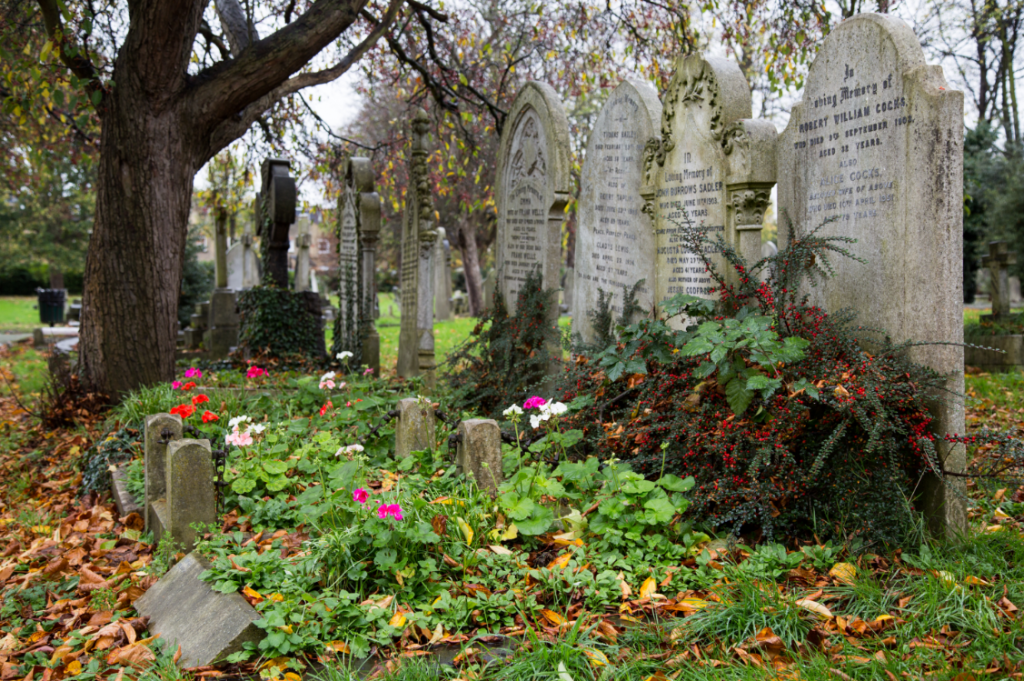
749, 205
694, 84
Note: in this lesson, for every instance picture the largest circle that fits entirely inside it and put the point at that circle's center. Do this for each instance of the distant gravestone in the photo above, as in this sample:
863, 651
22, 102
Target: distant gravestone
416, 336
303, 241
346, 325
359, 174
877, 146
417, 427
1015, 297
277, 213
615, 245
242, 264
997, 262
533, 189
768, 250
442, 294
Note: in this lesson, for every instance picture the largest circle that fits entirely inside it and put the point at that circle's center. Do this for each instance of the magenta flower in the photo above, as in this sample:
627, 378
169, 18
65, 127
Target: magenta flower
255, 372
360, 495
192, 372
382, 511
534, 402
395, 511
176, 385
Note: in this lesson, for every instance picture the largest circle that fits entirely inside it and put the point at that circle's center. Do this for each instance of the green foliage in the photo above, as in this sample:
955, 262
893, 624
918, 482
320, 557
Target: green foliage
277, 323
508, 356
196, 278
977, 332
119, 446
602, 318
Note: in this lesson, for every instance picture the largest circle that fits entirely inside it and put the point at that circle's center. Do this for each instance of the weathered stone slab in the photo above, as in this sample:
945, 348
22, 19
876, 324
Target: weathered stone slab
416, 429
533, 188
479, 452
615, 244
1015, 296
52, 334
185, 611
998, 260
303, 271
685, 172
191, 495
160, 430
877, 145
124, 501
224, 322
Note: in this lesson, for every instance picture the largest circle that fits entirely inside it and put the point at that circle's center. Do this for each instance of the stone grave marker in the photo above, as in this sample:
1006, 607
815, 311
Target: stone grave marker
416, 336
242, 264
346, 326
768, 250
277, 213
303, 241
360, 174
225, 319
416, 429
184, 610
479, 452
533, 188
442, 272
1015, 295
999, 258
615, 245
159, 431
877, 146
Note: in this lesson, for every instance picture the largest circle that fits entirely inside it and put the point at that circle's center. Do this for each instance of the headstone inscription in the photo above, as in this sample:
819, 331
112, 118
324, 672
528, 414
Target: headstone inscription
346, 325
533, 188
416, 336
999, 258
615, 245
708, 170
876, 146
277, 202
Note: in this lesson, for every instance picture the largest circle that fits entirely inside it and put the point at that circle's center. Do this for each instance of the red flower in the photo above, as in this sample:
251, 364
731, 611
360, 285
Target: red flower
199, 399
209, 416
184, 410
189, 385
323, 409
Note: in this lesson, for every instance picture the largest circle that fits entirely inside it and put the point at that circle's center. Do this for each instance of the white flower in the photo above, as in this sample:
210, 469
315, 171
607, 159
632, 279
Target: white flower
328, 376
257, 428
514, 410
537, 419
555, 409
351, 449
233, 423
343, 355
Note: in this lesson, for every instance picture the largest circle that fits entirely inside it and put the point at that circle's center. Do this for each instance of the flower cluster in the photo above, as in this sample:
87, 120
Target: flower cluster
350, 449
327, 381
327, 405
255, 372
178, 385
193, 372
242, 430
384, 511
360, 495
184, 410
343, 355
545, 410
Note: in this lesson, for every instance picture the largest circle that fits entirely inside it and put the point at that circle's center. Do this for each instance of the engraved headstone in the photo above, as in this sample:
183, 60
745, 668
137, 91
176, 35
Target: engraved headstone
614, 238
877, 146
533, 188
416, 336
346, 325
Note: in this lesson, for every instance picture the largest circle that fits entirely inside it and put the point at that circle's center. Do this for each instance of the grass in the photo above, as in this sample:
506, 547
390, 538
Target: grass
18, 314
24, 368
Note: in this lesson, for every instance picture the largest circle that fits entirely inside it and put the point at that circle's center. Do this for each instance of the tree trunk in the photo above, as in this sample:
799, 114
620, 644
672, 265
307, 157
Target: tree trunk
471, 267
56, 277
134, 264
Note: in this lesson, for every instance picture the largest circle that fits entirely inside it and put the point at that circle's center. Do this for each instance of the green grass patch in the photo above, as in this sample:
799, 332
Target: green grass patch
18, 313
25, 370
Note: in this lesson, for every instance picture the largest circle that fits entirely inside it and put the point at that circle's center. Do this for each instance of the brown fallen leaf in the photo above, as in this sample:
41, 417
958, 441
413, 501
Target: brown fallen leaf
136, 655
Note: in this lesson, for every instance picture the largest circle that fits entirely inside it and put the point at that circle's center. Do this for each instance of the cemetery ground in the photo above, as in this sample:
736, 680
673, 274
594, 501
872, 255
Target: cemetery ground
348, 552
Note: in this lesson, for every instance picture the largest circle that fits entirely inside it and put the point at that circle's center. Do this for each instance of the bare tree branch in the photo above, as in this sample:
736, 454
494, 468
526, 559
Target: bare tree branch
213, 39
236, 25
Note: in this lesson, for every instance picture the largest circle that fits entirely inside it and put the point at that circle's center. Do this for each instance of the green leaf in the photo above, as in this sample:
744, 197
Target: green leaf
277, 483
697, 346
659, 510
737, 395
243, 485
638, 487
675, 484
275, 467
537, 523
760, 382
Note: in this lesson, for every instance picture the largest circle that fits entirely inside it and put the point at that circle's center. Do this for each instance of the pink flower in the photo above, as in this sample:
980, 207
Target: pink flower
239, 439
193, 373
534, 402
382, 511
395, 511
360, 495
176, 385
328, 385
369, 370
255, 372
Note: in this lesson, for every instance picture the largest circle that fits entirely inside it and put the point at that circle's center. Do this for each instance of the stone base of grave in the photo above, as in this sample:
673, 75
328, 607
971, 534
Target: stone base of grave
159, 518
1012, 355
224, 321
185, 611
124, 501
48, 335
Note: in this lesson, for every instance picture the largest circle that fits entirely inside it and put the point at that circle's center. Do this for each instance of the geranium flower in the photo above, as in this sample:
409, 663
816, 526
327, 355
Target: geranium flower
351, 449
369, 370
255, 372
199, 399
361, 495
327, 381
239, 439
188, 386
382, 511
323, 409
534, 402
192, 372
209, 416
343, 355
395, 511
176, 385
184, 410
513, 413
256, 428
555, 409
234, 423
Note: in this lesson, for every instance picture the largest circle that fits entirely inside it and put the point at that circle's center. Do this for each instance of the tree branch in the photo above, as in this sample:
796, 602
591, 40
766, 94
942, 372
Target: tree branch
229, 130
79, 65
236, 25
213, 39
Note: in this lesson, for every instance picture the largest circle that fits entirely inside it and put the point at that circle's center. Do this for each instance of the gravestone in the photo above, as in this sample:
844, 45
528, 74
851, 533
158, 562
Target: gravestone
533, 188
479, 452
184, 610
768, 250
1015, 296
225, 319
360, 175
442, 294
159, 431
488, 289
191, 495
277, 213
303, 241
346, 326
242, 264
713, 169
199, 322
615, 244
416, 336
999, 258
877, 146
416, 428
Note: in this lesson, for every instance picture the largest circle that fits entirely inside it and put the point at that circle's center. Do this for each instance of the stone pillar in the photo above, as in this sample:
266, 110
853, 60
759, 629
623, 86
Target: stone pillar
369, 223
277, 203
750, 176
160, 429
442, 301
220, 249
224, 324
191, 494
302, 263
999, 258
479, 452
416, 429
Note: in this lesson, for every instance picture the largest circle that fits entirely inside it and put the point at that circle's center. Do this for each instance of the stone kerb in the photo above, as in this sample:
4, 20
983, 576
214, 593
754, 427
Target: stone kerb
479, 452
534, 186
686, 169
875, 152
160, 430
416, 429
615, 241
191, 495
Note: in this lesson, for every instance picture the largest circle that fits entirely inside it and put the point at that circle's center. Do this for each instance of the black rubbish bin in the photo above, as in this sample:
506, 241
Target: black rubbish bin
51, 305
